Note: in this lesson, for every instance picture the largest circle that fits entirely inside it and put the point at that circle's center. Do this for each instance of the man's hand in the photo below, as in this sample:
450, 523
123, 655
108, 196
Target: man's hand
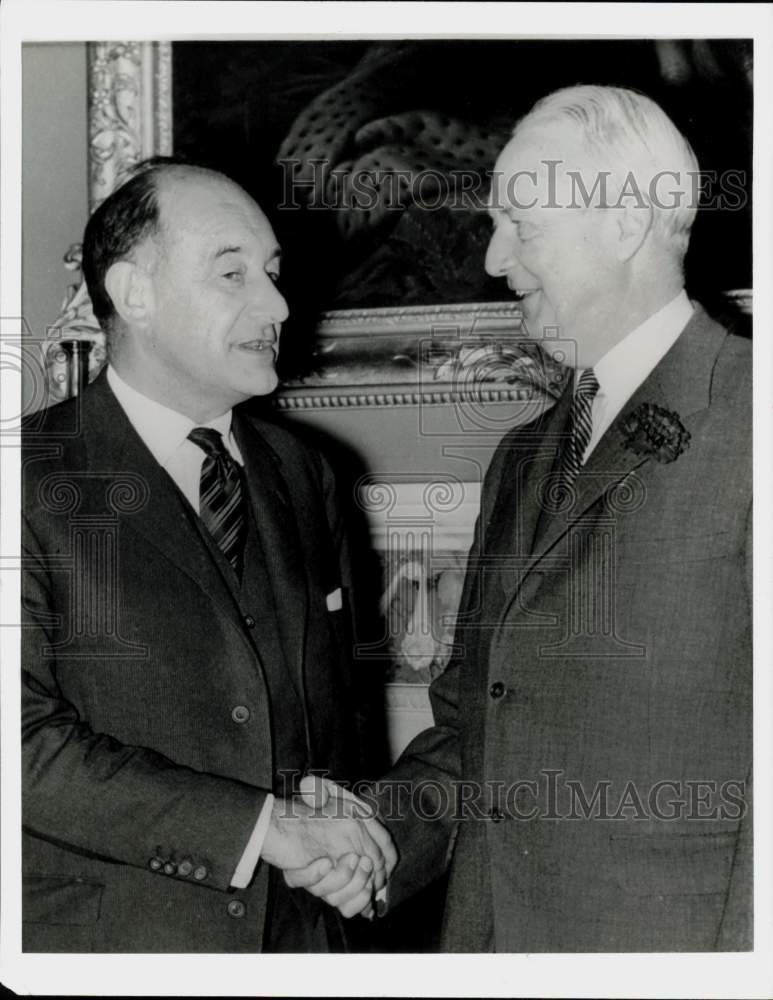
348, 885
325, 825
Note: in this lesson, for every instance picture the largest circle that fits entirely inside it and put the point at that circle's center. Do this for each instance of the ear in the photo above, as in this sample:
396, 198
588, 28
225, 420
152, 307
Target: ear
633, 223
131, 292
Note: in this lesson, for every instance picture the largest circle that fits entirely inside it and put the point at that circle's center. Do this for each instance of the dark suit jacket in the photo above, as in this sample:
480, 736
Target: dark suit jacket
147, 726
602, 651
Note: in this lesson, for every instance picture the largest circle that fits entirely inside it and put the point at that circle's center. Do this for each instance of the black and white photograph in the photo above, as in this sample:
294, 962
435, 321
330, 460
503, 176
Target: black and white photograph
386, 559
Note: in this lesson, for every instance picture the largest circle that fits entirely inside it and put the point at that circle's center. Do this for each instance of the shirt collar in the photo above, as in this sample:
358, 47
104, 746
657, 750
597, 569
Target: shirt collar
161, 429
626, 365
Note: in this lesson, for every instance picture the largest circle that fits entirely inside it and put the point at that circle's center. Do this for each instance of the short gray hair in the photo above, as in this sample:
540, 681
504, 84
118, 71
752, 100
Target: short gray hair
629, 134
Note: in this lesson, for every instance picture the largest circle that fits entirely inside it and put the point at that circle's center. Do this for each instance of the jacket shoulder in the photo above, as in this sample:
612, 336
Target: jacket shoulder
734, 362
93, 413
731, 383
52, 440
57, 419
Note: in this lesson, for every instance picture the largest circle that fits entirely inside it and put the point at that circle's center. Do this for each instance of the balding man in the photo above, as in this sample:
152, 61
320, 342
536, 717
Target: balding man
592, 745
185, 661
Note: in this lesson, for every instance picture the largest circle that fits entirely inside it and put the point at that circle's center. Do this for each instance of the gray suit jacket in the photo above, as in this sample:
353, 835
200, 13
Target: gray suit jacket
147, 722
598, 712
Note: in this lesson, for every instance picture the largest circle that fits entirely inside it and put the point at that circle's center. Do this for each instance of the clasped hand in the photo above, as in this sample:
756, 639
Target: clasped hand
328, 842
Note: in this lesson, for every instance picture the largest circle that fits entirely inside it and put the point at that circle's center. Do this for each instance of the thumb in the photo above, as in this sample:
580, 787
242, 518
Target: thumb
305, 878
313, 791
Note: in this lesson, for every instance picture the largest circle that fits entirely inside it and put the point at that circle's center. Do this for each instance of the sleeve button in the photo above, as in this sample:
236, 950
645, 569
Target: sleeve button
185, 868
236, 908
170, 868
155, 864
240, 714
200, 873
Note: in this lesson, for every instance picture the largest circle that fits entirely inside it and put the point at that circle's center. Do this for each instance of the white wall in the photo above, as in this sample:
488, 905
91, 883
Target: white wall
54, 177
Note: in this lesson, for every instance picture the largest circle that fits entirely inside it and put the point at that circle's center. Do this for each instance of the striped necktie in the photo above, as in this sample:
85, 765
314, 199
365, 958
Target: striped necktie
221, 497
580, 427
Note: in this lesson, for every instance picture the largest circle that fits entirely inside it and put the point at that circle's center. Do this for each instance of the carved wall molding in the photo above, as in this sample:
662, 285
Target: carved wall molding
465, 319
405, 397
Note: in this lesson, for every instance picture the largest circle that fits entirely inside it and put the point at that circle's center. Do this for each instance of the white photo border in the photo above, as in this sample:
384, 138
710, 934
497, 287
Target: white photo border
674, 975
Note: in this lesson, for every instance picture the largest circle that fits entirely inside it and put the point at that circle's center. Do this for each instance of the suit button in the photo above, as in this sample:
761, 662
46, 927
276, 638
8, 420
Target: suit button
185, 868
497, 689
170, 868
240, 714
236, 908
155, 864
249, 621
200, 873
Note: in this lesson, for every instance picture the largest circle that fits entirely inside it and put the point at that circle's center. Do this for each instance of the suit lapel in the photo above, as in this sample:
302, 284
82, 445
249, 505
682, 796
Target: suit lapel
277, 530
167, 522
609, 464
681, 382
511, 525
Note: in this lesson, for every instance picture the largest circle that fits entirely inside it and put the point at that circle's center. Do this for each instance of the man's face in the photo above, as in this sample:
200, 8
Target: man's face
561, 259
216, 312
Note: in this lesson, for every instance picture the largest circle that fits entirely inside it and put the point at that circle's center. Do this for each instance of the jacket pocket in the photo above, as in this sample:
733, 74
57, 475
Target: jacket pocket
58, 900
673, 864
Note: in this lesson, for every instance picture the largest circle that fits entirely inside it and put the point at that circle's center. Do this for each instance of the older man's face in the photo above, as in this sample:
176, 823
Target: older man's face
216, 309
560, 258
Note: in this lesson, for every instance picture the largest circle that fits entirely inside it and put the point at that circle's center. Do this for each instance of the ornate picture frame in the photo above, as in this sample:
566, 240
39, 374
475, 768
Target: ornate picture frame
360, 357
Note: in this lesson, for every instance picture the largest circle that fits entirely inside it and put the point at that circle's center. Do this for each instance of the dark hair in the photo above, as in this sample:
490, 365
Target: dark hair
124, 219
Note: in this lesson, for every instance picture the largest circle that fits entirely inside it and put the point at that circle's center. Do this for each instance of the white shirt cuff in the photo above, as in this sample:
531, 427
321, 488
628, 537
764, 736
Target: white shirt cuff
249, 860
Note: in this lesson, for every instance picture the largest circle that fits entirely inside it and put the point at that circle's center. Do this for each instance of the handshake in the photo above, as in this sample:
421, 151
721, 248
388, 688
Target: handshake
328, 842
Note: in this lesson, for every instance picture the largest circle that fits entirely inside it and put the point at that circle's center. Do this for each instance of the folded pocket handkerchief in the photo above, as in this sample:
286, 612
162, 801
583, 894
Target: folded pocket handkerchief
334, 601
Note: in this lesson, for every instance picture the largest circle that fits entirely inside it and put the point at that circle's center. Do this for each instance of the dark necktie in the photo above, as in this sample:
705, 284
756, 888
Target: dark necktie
221, 498
580, 427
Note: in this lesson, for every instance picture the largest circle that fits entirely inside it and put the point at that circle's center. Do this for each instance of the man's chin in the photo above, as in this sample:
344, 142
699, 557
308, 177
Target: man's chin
249, 384
263, 383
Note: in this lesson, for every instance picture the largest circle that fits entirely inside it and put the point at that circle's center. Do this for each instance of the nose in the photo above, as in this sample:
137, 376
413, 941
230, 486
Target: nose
269, 302
281, 311
500, 255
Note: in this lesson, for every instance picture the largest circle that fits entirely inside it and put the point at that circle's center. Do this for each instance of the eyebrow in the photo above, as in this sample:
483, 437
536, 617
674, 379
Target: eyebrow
222, 251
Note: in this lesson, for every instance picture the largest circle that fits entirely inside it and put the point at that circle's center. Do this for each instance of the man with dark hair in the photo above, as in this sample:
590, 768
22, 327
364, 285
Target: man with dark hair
185, 660
123, 221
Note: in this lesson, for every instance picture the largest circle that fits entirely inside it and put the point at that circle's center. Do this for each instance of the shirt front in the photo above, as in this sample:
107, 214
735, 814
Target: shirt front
625, 366
165, 433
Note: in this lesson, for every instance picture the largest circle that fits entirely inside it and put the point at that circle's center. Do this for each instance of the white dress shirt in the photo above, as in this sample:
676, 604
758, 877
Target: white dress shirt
165, 434
623, 368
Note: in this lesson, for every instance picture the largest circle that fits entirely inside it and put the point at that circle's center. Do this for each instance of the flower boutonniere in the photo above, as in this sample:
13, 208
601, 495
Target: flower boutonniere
652, 430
